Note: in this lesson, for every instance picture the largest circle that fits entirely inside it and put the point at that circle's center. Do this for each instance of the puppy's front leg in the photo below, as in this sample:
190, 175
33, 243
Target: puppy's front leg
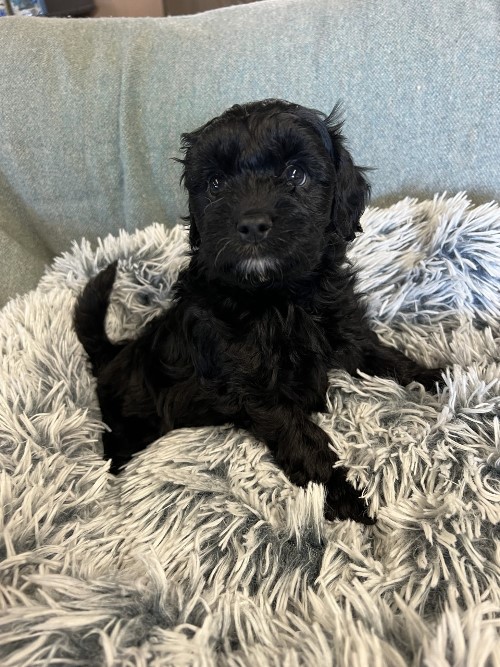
302, 449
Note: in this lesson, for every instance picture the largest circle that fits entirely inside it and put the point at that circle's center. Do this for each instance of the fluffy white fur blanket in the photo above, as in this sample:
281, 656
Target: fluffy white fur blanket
202, 553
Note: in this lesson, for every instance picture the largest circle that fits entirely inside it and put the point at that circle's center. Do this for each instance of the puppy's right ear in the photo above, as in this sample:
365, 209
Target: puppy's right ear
188, 139
187, 142
194, 234
189, 175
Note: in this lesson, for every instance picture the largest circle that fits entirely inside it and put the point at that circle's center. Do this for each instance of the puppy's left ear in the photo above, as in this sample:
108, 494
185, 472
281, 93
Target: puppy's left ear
352, 190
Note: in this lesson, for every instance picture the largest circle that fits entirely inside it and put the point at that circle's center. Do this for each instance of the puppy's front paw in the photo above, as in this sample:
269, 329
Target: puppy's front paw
310, 459
430, 378
343, 501
307, 457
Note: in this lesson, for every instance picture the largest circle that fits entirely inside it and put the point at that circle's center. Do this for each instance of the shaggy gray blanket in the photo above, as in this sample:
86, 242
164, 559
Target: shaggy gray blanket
202, 553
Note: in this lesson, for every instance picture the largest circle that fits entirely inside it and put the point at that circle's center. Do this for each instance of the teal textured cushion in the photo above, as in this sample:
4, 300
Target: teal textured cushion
91, 111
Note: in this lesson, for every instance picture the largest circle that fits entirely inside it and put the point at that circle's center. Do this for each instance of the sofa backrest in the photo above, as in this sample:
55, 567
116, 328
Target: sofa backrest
91, 110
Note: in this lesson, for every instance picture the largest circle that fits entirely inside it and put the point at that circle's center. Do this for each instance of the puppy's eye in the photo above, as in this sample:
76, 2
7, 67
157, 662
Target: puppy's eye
215, 184
295, 175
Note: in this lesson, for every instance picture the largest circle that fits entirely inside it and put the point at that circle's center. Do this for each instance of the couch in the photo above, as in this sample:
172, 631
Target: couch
91, 111
201, 552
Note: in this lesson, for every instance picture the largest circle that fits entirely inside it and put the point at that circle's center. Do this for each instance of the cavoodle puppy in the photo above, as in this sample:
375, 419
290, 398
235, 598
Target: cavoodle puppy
265, 308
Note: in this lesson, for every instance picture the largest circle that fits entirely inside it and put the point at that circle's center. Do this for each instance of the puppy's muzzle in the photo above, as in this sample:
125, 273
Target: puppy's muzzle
254, 227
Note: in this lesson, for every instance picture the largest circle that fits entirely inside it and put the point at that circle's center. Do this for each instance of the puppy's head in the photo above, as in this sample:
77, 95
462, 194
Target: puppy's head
271, 186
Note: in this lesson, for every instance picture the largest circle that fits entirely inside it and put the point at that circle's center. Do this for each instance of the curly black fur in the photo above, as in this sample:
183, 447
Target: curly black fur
265, 308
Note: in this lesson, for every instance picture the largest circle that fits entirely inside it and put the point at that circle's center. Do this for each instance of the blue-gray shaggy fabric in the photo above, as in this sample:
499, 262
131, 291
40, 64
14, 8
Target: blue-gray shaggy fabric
201, 553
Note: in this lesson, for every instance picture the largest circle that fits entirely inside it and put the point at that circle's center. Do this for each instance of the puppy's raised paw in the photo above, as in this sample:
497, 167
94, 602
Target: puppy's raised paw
344, 502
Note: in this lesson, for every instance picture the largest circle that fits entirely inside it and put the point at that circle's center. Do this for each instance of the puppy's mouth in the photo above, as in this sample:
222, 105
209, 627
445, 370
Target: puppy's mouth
246, 262
257, 268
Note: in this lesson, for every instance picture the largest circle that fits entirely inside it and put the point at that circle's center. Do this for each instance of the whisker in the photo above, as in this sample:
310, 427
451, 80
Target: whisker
211, 203
221, 250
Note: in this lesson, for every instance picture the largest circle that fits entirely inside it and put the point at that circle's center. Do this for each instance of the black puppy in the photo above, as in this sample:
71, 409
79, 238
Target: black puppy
265, 308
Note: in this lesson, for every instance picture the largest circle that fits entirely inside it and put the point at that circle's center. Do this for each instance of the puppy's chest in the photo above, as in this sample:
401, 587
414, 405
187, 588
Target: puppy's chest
271, 349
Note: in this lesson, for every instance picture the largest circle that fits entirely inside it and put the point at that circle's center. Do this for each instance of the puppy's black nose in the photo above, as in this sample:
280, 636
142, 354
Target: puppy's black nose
254, 228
